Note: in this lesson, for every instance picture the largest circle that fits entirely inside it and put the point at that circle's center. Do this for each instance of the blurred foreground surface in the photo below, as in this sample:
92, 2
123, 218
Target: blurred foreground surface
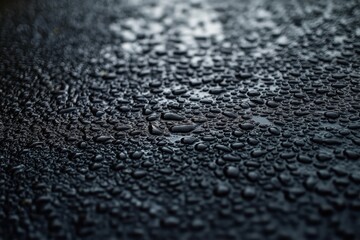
180, 119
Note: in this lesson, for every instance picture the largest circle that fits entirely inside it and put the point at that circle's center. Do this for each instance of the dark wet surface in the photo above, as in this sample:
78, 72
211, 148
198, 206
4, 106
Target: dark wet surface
180, 119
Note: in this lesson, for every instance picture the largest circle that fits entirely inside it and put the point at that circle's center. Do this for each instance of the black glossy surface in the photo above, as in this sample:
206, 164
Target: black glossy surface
180, 119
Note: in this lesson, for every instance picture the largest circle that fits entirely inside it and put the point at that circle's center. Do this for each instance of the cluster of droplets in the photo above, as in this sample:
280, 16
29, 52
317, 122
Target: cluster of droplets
197, 120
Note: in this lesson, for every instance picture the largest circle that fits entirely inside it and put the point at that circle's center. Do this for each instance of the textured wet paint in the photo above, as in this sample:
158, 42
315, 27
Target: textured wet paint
180, 119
